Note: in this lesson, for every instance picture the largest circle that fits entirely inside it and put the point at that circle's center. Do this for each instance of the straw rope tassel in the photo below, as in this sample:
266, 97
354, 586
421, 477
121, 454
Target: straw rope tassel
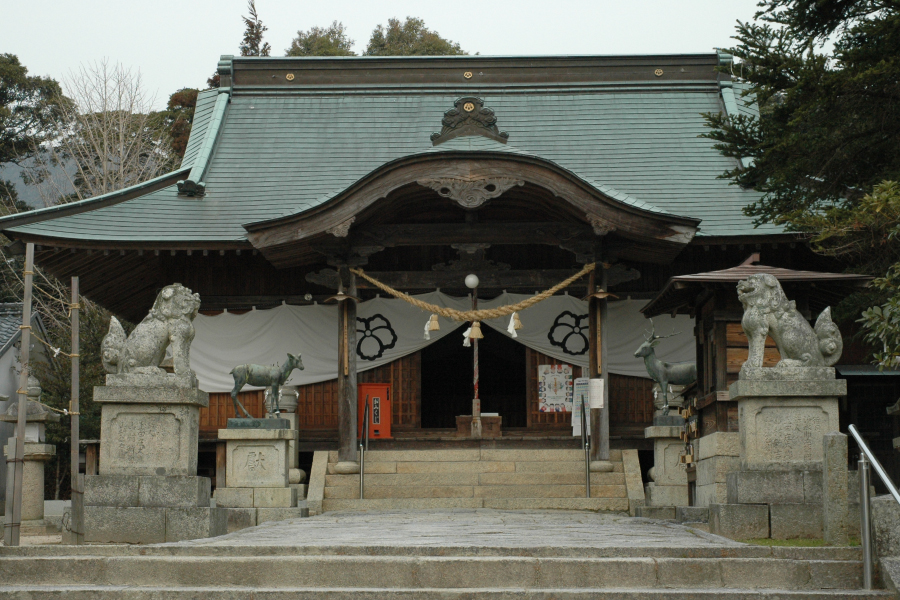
434, 324
476, 334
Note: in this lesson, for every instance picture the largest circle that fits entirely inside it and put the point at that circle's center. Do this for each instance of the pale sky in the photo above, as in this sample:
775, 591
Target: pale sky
177, 43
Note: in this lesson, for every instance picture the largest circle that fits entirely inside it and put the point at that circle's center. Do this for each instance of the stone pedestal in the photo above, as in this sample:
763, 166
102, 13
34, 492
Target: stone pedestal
669, 485
148, 490
783, 416
257, 476
491, 427
717, 454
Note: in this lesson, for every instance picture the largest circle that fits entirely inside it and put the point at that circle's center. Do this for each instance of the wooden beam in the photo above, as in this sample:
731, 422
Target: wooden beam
436, 234
427, 280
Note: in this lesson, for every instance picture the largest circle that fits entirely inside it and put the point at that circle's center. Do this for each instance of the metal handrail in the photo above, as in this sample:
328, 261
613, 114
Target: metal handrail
363, 446
586, 442
865, 517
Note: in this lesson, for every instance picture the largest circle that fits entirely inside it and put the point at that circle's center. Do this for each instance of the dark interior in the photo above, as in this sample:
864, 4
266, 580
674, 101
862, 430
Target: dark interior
447, 379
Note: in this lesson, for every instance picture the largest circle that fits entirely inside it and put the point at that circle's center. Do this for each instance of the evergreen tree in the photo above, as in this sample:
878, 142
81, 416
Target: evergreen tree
322, 41
178, 118
828, 138
252, 44
409, 38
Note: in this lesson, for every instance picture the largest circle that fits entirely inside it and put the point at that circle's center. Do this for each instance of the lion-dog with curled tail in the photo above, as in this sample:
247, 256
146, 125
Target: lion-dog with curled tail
767, 311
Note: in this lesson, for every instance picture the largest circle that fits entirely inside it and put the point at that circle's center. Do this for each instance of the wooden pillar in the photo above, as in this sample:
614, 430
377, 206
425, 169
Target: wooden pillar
597, 316
76, 524
91, 464
221, 464
347, 401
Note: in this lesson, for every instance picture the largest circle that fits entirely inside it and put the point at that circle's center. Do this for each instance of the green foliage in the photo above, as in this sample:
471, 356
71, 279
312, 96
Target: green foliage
408, 39
29, 108
9, 199
252, 44
826, 147
178, 118
830, 128
322, 41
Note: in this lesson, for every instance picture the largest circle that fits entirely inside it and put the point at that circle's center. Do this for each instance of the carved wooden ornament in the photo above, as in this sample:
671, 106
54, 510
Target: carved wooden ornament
469, 116
341, 230
470, 193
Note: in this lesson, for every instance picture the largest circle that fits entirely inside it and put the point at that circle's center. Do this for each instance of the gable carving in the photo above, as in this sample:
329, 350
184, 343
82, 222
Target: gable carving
469, 116
470, 193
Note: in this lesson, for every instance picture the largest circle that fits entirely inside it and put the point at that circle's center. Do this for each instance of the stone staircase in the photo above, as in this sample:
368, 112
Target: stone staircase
522, 478
272, 572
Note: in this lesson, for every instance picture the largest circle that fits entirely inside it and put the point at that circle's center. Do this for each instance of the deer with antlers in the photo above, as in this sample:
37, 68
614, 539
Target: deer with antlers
662, 372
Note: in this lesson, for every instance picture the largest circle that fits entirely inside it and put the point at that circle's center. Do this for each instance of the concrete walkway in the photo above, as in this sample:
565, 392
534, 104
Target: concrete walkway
460, 528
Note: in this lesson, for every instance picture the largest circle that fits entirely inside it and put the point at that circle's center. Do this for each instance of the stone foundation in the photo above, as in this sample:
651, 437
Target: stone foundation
717, 455
669, 485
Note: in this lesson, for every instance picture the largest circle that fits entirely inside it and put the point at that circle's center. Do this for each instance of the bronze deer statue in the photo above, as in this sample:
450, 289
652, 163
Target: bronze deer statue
662, 372
272, 377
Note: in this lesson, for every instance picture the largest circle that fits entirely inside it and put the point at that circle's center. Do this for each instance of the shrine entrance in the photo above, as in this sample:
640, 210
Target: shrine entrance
447, 380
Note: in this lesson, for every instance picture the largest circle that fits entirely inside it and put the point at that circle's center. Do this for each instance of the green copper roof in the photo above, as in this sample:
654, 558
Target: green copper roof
279, 153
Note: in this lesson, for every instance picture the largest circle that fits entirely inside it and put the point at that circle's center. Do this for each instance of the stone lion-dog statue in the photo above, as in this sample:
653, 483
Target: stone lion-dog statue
767, 311
169, 323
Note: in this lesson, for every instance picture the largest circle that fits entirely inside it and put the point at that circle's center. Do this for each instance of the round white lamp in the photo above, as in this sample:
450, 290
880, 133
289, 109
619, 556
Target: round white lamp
472, 281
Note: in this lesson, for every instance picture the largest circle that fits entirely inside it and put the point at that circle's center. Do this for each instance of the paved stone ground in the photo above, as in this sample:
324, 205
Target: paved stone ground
470, 527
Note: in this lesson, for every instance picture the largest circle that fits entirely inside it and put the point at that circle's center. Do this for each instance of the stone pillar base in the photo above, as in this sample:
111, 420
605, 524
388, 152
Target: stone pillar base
32, 478
717, 455
669, 485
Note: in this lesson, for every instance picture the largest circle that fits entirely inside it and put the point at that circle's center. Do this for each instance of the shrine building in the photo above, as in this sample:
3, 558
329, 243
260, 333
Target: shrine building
419, 171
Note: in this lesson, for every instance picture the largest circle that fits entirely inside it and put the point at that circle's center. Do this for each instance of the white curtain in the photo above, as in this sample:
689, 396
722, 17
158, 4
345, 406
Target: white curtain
388, 329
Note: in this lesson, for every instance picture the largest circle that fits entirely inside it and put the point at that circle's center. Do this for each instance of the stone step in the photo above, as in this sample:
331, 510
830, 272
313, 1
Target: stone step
124, 592
478, 454
386, 467
459, 573
375, 492
478, 491
456, 478
592, 504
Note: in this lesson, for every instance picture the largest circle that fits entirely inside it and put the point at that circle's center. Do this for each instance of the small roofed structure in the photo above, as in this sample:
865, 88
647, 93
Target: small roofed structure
681, 293
711, 298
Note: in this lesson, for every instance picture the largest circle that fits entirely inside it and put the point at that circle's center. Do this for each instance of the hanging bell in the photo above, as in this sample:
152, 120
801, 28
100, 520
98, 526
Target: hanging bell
476, 334
433, 324
517, 322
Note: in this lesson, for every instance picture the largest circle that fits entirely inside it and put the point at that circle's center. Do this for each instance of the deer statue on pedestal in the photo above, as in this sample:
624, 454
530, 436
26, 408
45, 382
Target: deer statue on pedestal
273, 377
662, 372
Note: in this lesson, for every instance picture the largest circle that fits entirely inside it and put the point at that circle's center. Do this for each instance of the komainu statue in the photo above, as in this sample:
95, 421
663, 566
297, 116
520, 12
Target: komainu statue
169, 324
767, 311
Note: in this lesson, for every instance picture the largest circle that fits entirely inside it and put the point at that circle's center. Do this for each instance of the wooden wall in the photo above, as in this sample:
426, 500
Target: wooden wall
317, 406
221, 408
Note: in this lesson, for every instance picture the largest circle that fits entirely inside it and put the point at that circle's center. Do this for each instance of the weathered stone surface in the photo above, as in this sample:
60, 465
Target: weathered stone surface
656, 512
234, 497
671, 420
240, 518
739, 521
886, 525
195, 523
663, 431
784, 433
667, 468
167, 325
296, 476
718, 444
111, 490
161, 394
786, 373
301, 490
743, 388
666, 495
124, 525
149, 439
264, 515
634, 486
767, 311
692, 514
152, 380
716, 468
764, 487
835, 501
275, 497
316, 491
257, 458
890, 573
793, 521
714, 493
601, 466
243, 423
346, 468
174, 491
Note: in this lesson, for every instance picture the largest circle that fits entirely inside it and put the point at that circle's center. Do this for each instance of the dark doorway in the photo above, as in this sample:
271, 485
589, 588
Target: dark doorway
447, 379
